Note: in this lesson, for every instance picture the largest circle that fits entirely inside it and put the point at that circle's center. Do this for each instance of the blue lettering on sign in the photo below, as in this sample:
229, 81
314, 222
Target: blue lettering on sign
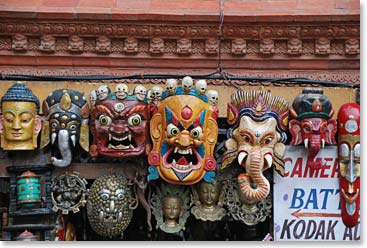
298, 194
312, 199
309, 199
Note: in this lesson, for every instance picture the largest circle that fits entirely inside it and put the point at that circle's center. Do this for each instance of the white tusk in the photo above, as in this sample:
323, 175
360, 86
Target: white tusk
241, 156
269, 159
73, 139
322, 143
306, 143
53, 138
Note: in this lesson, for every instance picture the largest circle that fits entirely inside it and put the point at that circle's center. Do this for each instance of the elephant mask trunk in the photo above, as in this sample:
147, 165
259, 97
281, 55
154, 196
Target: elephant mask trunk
315, 145
64, 148
254, 166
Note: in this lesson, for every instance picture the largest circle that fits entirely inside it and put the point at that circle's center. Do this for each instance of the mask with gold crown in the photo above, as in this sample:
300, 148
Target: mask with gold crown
184, 132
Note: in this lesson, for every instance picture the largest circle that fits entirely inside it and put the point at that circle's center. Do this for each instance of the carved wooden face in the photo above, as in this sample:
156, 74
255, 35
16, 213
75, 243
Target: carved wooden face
66, 125
349, 162
19, 122
184, 135
251, 133
120, 128
19, 126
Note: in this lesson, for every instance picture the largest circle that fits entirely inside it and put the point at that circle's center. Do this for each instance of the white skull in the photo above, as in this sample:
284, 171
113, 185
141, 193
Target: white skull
157, 93
201, 86
140, 92
212, 97
187, 84
171, 85
121, 91
93, 97
149, 96
102, 92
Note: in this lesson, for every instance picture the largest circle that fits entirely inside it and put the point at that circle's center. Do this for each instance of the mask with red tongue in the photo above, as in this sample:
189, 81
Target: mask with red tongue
311, 124
184, 133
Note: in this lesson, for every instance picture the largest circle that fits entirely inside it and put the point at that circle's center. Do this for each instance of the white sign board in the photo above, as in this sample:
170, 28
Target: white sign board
306, 204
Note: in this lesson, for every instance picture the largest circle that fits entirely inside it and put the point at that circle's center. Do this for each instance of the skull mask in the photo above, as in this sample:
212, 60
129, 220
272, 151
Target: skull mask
201, 87
140, 92
93, 97
187, 84
149, 96
121, 91
171, 86
157, 93
102, 92
212, 97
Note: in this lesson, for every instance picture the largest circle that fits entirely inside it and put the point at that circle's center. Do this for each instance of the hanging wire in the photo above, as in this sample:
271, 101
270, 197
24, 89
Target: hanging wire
210, 76
220, 32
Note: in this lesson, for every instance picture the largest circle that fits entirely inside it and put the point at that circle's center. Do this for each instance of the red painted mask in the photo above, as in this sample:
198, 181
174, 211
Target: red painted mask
119, 126
311, 124
349, 162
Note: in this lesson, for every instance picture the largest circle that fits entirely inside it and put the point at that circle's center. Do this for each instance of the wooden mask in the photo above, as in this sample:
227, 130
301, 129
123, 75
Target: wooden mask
20, 123
184, 134
349, 162
67, 115
311, 124
119, 122
258, 122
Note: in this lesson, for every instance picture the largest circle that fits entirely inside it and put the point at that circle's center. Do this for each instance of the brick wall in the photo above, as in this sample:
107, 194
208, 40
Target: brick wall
176, 9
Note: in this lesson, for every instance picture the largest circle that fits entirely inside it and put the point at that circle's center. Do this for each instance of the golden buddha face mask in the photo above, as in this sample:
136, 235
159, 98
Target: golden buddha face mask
19, 122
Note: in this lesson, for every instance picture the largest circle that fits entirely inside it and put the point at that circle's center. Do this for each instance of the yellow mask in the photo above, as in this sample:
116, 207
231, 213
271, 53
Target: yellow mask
184, 134
19, 126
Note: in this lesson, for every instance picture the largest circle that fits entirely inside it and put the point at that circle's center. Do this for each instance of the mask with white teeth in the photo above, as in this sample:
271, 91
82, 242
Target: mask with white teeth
184, 134
120, 126
108, 205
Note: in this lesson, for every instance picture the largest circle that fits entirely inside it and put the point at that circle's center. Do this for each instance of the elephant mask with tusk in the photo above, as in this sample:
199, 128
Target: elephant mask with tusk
67, 114
258, 123
311, 124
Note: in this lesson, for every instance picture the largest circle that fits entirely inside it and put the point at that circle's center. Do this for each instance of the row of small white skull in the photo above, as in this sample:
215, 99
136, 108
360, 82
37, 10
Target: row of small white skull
187, 84
155, 94
121, 92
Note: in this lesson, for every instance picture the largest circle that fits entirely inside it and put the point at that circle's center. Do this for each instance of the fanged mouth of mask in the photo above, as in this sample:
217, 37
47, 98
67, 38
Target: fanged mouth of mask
183, 160
110, 219
120, 143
